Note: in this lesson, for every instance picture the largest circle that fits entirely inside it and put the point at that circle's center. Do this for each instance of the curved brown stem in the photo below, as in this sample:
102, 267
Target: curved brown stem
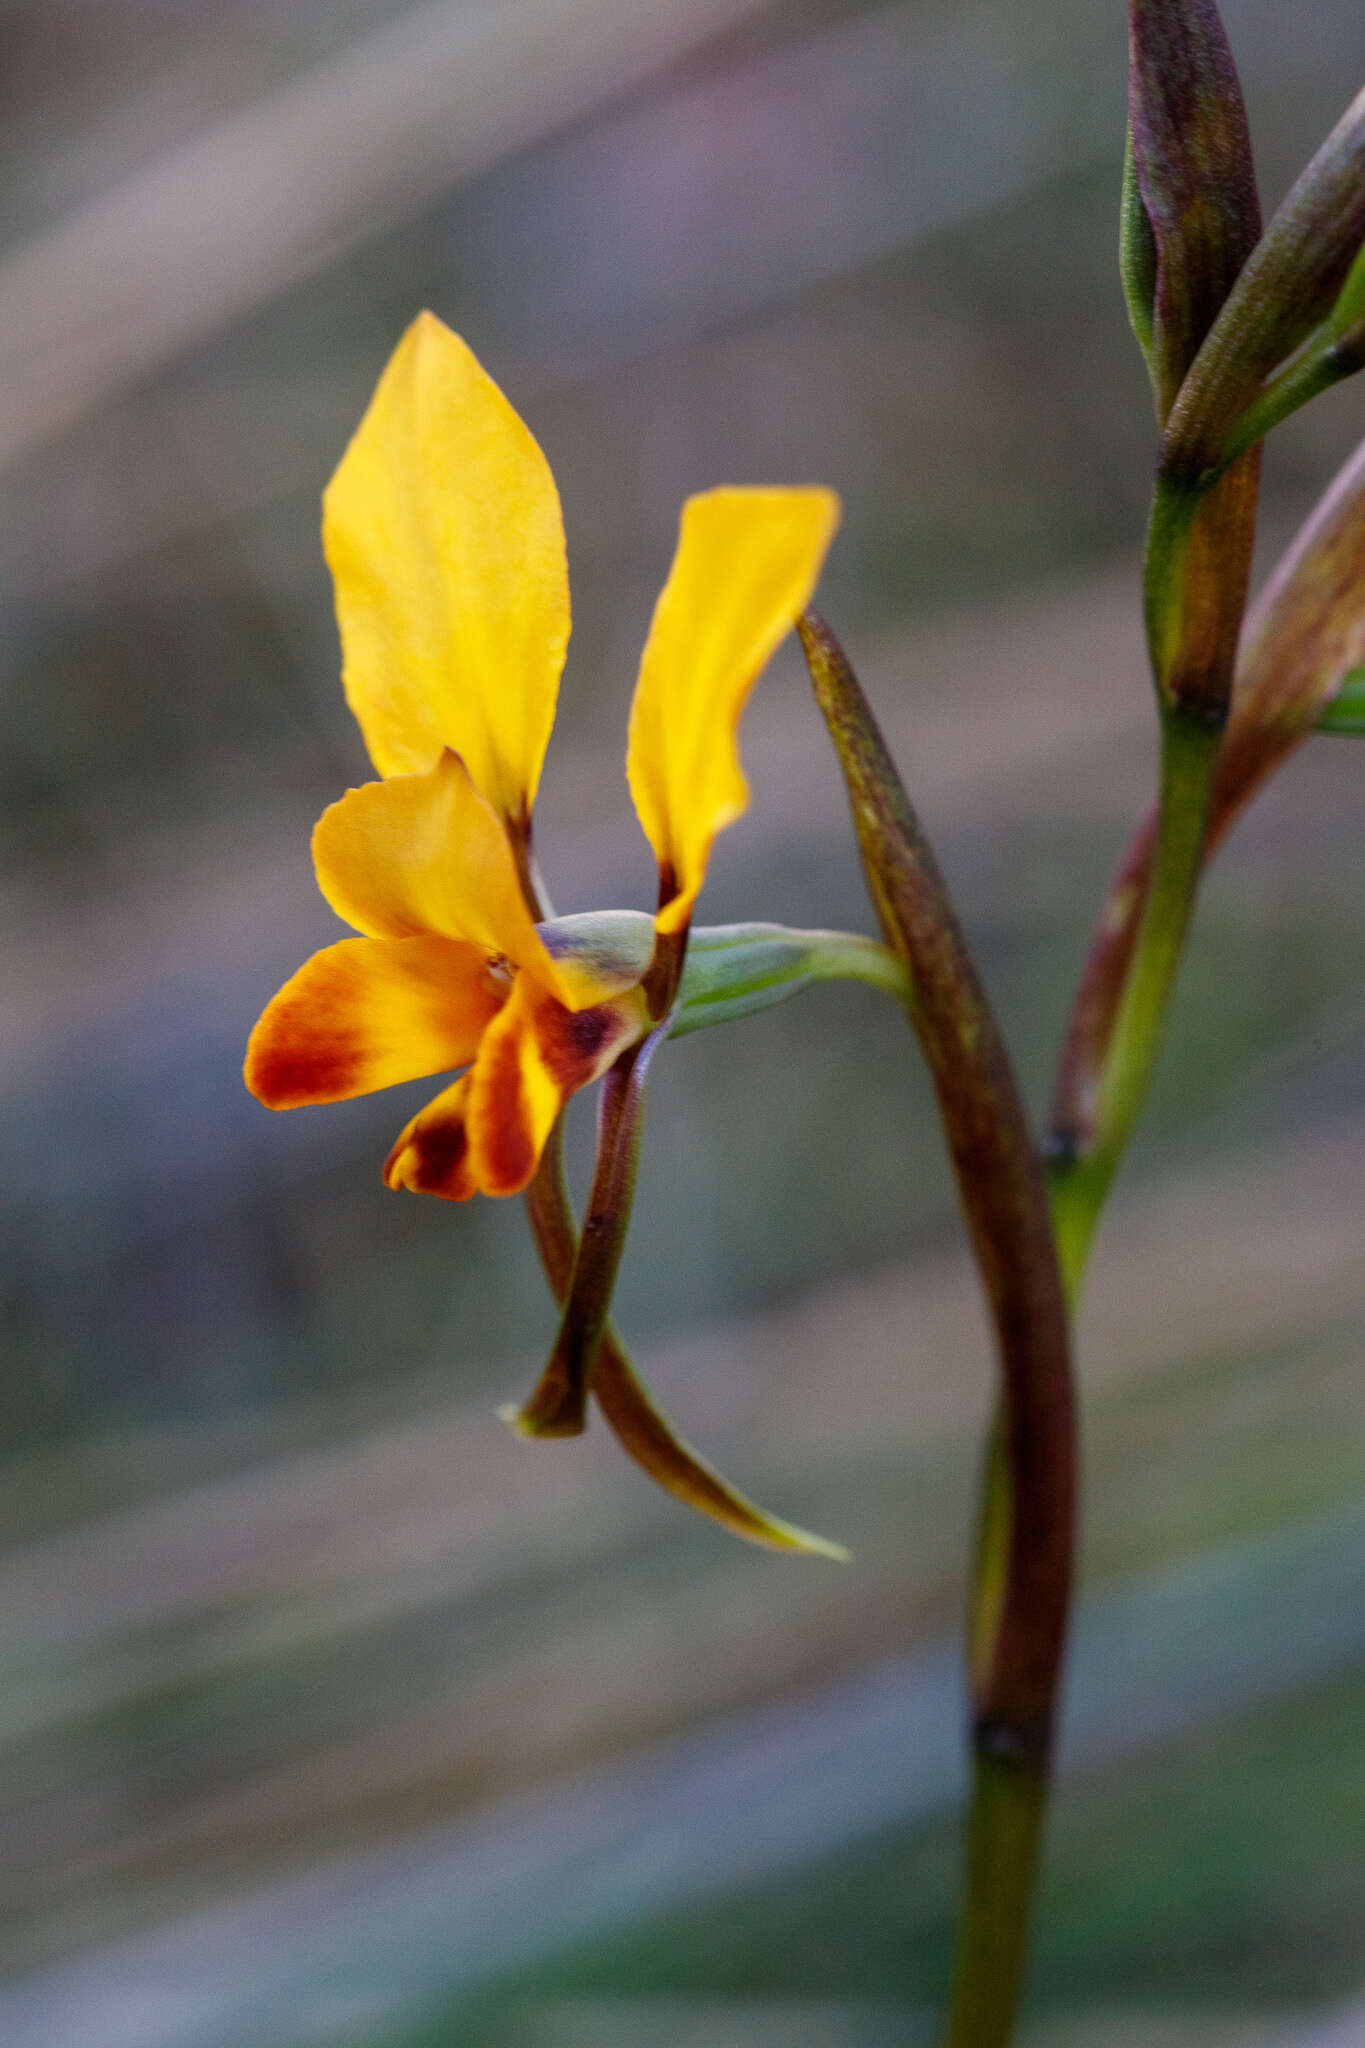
1023, 1584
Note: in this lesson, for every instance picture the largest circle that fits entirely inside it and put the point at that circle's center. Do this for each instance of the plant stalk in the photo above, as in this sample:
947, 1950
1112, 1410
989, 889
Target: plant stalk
1018, 1627
1080, 1179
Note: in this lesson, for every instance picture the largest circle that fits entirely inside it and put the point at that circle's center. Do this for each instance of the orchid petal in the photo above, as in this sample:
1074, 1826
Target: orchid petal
426, 853
514, 1098
746, 563
431, 1153
367, 1014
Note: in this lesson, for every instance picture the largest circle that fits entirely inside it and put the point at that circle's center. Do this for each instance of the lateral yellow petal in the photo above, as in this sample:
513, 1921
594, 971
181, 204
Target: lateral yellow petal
431, 1155
443, 533
425, 853
746, 564
514, 1098
367, 1014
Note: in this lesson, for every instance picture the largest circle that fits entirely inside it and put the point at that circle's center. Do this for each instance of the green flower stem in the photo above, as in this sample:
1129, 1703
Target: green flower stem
1004, 1840
1079, 1183
1322, 362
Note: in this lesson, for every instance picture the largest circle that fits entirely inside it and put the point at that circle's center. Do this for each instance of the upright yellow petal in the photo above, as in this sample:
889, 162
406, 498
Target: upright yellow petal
425, 853
746, 564
443, 533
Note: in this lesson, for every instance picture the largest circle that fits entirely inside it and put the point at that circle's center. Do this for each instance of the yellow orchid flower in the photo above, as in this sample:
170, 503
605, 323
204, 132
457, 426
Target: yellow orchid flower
443, 533
442, 528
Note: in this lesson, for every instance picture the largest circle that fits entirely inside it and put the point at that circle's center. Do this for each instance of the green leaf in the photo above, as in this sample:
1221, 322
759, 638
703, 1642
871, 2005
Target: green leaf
1346, 712
1137, 259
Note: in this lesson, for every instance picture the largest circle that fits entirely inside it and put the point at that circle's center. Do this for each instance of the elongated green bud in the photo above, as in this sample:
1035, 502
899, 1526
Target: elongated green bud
1298, 279
732, 970
737, 970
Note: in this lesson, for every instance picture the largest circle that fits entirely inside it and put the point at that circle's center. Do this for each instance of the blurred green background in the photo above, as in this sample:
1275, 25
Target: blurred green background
330, 1713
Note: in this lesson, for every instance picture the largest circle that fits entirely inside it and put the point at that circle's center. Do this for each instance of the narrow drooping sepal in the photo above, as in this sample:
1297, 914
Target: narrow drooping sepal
644, 1431
1287, 288
559, 1403
1196, 183
1000, 1183
640, 1426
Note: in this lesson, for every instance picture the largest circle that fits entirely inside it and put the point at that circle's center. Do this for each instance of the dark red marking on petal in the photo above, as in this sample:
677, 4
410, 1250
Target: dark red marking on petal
571, 1040
433, 1158
287, 1076
440, 1155
509, 1155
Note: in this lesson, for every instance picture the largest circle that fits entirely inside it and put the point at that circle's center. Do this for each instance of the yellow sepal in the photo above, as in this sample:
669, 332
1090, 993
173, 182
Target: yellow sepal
443, 533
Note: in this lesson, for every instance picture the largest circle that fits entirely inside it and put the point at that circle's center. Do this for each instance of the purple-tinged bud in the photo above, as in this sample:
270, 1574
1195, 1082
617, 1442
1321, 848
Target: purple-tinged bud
1290, 285
1190, 216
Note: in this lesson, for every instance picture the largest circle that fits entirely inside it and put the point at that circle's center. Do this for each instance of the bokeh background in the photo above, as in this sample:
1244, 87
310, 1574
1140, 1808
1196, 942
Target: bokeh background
329, 1713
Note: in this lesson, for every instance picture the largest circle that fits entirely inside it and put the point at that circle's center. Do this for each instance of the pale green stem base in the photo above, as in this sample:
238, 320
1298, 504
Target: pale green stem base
1004, 1838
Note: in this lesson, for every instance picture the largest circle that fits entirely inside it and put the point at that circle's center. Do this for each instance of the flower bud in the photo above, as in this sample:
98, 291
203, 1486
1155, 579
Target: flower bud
1191, 215
1294, 281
